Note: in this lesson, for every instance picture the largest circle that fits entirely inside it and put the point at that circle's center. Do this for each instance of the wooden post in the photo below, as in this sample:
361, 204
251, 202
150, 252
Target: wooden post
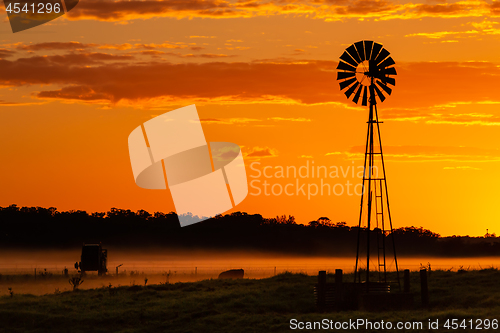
424, 288
321, 291
338, 289
406, 281
120, 265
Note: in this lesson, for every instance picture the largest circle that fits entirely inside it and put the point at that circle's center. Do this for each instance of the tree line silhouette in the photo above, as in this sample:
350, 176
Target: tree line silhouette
45, 228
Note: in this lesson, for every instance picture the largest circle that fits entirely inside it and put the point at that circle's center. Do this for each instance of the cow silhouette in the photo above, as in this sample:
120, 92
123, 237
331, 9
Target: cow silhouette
232, 274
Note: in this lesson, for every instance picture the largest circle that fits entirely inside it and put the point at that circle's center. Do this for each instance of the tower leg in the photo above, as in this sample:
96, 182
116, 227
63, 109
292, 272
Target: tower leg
387, 201
357, 276
369, 166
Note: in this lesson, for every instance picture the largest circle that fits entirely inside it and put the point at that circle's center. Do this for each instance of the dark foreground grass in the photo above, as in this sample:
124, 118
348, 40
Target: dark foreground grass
245, 305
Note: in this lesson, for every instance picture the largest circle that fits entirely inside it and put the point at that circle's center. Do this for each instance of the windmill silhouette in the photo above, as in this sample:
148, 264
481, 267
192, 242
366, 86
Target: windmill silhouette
365, 72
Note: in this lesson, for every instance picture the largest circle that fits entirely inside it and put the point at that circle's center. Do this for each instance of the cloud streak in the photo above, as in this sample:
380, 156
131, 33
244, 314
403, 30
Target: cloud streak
135, 82
228, 121
260, 152
436, 115
328, 10
114, 78
55, 46
289, 119
427, 154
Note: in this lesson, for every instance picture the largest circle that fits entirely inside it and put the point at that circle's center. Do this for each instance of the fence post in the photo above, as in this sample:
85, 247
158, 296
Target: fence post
424, 288
321, 290
338, 289
406, 280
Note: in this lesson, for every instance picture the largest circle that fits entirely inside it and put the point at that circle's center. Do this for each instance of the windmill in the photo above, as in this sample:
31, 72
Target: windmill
365, 73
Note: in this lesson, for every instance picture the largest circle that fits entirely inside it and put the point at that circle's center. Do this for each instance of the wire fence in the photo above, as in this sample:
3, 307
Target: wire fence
251, 271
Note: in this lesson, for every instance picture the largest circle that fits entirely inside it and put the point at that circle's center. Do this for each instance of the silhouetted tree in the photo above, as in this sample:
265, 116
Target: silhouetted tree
37, 227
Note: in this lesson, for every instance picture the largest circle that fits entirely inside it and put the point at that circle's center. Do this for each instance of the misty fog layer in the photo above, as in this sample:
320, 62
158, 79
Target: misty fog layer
17, 268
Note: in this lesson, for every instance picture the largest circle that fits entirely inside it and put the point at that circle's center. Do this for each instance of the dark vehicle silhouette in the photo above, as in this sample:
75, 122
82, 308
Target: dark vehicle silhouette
94, 258
232, 274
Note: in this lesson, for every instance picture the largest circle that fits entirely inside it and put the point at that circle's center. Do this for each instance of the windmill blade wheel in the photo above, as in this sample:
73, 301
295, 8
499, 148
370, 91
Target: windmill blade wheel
365, 71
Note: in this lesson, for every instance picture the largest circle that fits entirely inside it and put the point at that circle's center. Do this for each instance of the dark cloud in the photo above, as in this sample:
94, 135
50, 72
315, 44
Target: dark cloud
430, 83
117, 10
210, 120
208, 55
4, 53
495, 8
152, 52
304, 82
322, 9
447, 8
258, 152
365, 7
73, 59
156, 53
55, 46
83, 93
308, 82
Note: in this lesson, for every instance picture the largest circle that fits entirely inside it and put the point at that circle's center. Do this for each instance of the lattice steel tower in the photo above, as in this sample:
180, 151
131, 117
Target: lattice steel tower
365, 69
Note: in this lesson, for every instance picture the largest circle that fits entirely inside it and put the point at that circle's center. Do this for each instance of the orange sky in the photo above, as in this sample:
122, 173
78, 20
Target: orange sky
262, 74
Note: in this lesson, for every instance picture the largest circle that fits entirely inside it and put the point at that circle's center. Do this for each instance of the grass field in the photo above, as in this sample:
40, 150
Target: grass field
246, 305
